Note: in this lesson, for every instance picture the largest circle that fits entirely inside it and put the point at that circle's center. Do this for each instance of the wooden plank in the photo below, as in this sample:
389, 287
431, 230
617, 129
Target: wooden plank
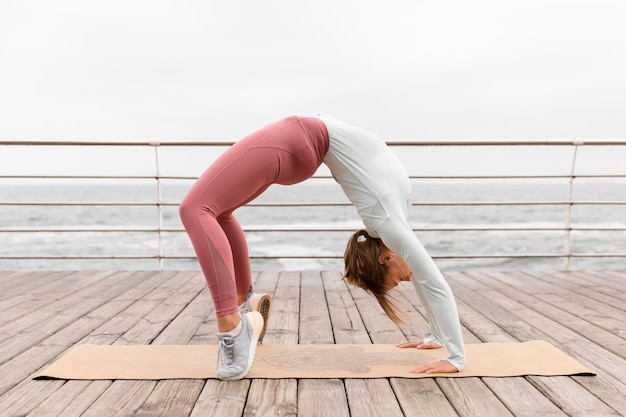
522, 398
368, 397
159, 308
121, 398
371, 397
43, 303
617, 279
71, 399
322, 397
285, 317
489, 404
348, 327
25, 396
6, 275
29, 352
28, 281
379, 327
46, 316
470, 397
518, 395
171, 398
422, 397
178, 398
173, 321
607, 283
10, 281
588, 302
78, 395
37, 356
568, 395
126, 312
10, 306
272, 397
315, 324
190, 308
578, 337
222, 398
416, 397
225, 398
584, 346
606, 390
524, 324
579, 314
277, 397
318, 397
162, 310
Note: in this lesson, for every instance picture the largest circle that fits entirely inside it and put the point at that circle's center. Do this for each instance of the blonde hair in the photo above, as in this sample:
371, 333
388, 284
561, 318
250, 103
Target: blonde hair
363, 270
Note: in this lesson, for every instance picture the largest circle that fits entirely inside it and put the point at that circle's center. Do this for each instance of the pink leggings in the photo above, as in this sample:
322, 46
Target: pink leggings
285, 152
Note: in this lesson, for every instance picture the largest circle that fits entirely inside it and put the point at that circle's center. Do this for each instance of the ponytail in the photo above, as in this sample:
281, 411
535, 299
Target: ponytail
363, 270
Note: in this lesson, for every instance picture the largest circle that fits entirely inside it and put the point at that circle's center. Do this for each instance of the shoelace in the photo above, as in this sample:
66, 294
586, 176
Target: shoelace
226, 355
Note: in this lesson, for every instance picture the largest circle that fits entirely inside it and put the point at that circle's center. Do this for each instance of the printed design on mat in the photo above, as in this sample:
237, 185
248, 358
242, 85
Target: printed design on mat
350, 359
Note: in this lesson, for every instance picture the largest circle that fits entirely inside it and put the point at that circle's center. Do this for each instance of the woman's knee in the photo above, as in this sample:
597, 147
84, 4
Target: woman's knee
190, 209
186, 210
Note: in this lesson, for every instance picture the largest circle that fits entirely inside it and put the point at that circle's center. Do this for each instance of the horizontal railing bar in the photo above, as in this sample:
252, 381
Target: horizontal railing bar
320, 204
414, 177
60, 257
82, 204
435, 256
270, 229
89, 177
452, 142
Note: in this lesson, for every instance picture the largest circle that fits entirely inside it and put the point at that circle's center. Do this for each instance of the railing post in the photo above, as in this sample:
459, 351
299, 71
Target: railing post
570, 203
155, 144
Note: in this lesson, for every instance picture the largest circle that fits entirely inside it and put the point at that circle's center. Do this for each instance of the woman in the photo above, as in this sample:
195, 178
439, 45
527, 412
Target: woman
287, 152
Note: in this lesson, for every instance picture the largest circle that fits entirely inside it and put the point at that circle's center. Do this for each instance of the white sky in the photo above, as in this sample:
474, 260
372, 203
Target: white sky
410, 69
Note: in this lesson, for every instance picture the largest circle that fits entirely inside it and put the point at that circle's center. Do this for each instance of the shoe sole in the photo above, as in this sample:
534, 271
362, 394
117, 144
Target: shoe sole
263, 304
255, 320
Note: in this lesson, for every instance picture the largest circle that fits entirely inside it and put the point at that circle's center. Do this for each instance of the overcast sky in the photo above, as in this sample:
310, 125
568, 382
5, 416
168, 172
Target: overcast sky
410, 69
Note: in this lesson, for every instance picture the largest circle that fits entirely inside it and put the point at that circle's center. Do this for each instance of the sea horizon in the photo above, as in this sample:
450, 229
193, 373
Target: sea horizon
424, 218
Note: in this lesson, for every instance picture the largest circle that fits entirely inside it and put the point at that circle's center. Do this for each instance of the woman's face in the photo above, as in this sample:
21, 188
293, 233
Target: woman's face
397, 270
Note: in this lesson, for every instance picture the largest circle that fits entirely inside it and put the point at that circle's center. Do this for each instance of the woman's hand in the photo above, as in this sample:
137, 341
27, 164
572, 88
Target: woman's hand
419, 344
438, 367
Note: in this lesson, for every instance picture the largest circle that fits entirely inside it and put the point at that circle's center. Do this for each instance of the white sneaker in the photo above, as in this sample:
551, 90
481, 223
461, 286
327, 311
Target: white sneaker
258, 302
236, 353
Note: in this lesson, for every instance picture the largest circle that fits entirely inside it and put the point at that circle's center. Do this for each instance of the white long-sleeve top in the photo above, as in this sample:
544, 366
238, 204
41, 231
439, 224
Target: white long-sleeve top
378, 185
371, 175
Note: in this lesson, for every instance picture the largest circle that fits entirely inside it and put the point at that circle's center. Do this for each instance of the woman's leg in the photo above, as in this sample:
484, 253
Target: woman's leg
239, 248
284, 152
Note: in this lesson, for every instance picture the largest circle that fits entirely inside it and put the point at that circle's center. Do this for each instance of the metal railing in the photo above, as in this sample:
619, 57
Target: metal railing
158, 229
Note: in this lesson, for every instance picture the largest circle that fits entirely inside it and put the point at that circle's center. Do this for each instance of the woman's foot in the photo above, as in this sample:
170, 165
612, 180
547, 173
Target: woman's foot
258, 302
236, 351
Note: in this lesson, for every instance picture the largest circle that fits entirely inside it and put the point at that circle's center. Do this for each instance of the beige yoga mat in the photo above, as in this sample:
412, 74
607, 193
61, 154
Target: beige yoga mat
307, 361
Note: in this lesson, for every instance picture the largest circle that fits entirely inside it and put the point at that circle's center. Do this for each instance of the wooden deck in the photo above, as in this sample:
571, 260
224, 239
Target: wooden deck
42, 314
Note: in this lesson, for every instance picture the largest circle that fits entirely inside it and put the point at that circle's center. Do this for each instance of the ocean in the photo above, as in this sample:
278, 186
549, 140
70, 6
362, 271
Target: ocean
318, 243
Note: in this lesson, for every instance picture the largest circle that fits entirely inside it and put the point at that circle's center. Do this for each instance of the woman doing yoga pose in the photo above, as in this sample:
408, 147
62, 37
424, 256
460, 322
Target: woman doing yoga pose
376, 259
